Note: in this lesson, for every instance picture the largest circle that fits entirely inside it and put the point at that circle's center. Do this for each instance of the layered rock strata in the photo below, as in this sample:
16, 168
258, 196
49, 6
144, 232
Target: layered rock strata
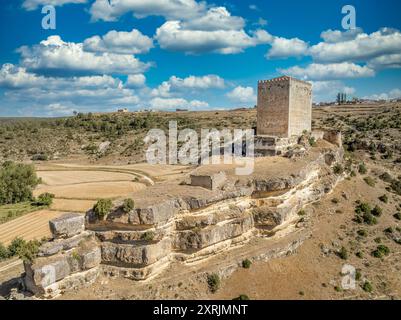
215, 211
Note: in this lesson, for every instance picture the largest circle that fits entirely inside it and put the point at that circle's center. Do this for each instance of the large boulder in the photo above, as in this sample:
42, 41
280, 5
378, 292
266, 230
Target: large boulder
68, 225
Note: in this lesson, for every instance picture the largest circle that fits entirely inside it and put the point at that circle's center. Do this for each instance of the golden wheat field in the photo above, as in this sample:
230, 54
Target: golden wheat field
92, 190
34, 225
55, 178
72, 205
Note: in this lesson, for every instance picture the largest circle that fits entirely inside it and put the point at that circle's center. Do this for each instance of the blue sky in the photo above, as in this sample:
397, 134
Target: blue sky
200, 55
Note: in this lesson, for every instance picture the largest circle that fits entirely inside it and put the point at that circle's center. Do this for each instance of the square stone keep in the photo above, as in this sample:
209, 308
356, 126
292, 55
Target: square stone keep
284, 107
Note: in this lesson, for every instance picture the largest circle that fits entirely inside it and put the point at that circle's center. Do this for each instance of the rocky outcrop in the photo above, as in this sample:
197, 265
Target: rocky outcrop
70, 260
187, 222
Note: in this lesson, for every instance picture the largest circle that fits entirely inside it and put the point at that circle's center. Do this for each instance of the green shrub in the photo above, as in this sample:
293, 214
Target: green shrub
381, 251
301, 212
213, 281
128, 205
383, 198
362, 233
343, 253
389, 230
29, 250
338, 169
338, 289
369, 219
377, 211
4, 253
102, 208
312, 141
246, 263
40, 157
377, 240
16, 245
242, 297
362, 168
367, 287
397, 215
359, 254
148, 236
26, 251
44, 199
369, 181
396, 186
363, 208
386, 177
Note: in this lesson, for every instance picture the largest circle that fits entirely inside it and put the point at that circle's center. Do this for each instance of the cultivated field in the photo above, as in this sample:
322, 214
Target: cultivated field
31, 226
92, 191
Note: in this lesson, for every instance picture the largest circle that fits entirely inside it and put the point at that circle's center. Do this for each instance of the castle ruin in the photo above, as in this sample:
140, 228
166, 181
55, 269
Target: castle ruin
284, 107
284, 112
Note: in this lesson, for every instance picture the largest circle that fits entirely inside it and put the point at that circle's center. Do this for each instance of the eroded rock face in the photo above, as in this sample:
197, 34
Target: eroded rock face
184, 222
199, 238
67, 225
47, 271
135, 254
56, 246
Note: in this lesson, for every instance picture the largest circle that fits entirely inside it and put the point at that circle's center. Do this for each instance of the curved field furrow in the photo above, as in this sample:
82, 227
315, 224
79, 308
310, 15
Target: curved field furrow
33, 225
54, 178
92, 191
28, 219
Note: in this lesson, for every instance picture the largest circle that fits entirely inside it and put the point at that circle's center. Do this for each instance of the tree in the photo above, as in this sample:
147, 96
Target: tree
17, 181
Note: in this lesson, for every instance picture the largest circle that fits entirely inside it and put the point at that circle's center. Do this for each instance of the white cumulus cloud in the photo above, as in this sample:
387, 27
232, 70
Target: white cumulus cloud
173, 103
111, 10
332, 71
242, 94
174, 37
210, 81
359, 47
135, 80
122, 42
392, 94
54, 56
283, 48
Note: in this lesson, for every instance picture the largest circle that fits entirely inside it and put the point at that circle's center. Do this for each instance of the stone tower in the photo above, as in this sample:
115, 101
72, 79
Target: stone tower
284, 107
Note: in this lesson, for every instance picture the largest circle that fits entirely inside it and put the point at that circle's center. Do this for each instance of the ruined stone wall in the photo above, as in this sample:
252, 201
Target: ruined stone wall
300, 115
273, 107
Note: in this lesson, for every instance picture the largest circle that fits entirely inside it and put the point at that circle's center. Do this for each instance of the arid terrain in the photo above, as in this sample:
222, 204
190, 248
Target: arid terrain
79, 171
